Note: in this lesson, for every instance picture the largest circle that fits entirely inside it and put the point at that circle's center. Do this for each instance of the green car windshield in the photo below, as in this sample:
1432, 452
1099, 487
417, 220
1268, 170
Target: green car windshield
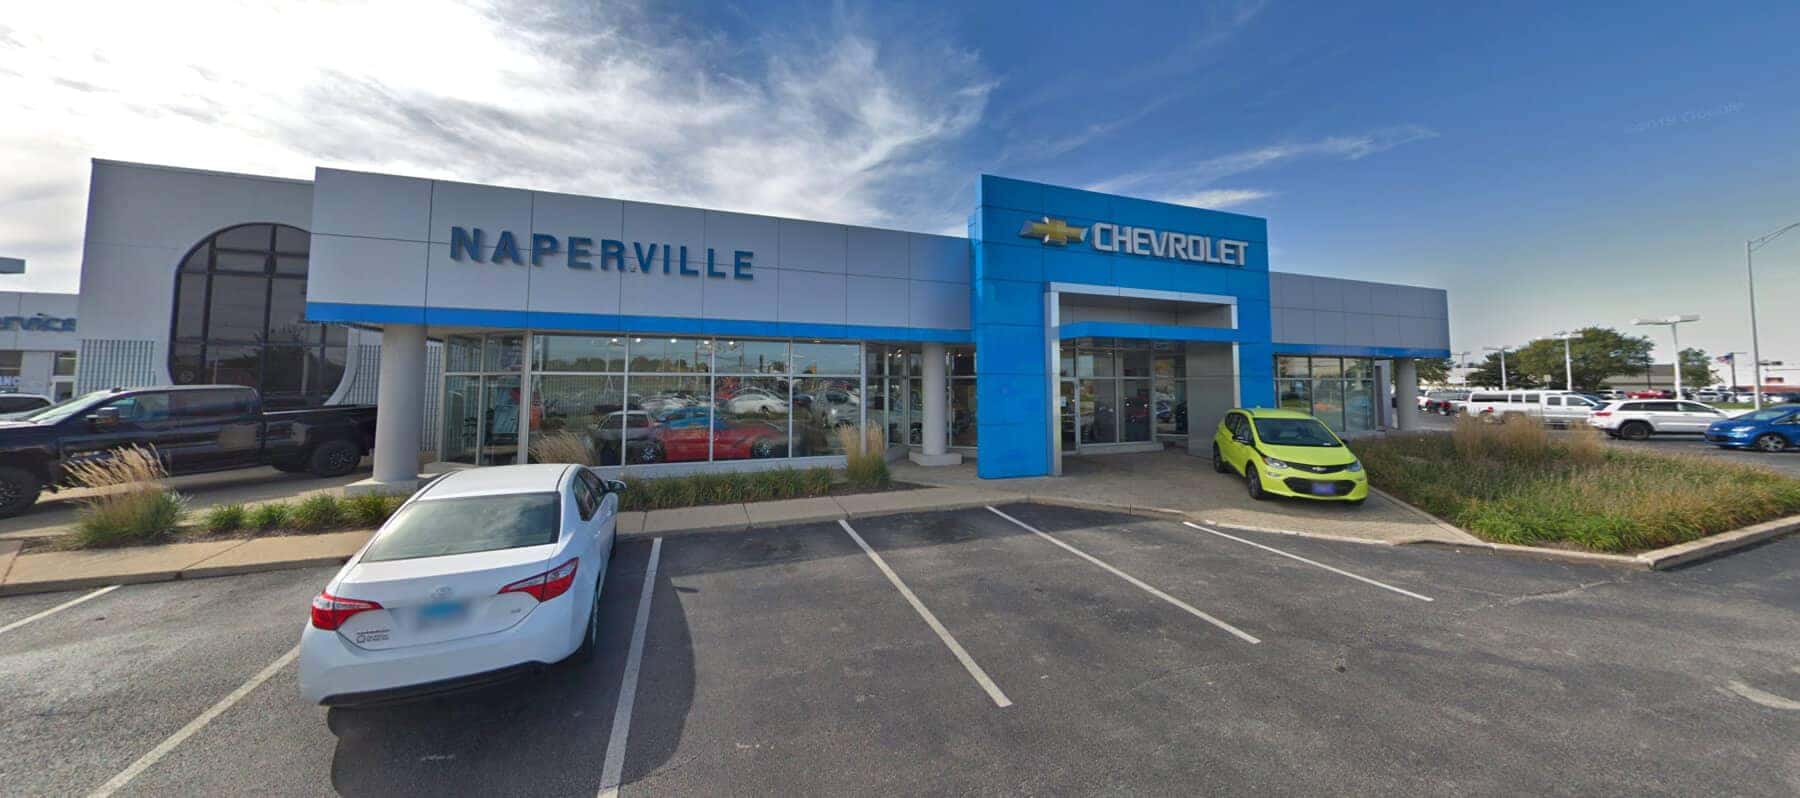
1294, 432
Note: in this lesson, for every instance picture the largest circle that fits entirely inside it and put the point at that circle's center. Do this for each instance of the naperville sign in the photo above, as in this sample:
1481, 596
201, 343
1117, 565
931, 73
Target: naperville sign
1144, 241
612, 255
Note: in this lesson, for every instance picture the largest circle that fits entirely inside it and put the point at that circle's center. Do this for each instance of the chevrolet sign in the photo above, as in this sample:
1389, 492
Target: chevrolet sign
1141, 241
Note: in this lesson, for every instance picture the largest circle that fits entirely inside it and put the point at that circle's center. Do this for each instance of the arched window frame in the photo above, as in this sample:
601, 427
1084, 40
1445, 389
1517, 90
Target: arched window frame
294, 363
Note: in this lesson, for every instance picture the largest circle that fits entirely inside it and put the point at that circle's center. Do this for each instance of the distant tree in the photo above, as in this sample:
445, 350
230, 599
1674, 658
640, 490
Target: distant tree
1487, 374
1433, 372
1598, 353
1697, 369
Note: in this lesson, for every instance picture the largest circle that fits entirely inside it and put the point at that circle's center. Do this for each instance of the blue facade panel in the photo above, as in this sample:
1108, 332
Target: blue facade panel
1014, 263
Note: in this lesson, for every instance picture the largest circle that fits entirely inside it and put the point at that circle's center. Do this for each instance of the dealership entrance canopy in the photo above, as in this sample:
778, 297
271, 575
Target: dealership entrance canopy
496, 325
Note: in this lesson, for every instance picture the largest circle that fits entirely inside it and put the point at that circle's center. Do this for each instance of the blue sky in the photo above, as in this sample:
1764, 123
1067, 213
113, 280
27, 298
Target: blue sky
1551, 167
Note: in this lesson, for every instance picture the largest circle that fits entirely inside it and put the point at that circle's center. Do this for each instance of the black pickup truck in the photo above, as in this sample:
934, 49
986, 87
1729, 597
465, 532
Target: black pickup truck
191, 428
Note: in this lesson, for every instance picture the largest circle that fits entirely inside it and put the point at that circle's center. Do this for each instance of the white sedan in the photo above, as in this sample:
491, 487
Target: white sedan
482, 574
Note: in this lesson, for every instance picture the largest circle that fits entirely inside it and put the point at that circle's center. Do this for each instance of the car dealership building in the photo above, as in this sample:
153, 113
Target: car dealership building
494, 324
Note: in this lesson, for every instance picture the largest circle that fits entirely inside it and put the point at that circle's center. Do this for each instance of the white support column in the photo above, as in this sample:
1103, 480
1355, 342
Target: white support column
932, 428
1406, 393
400, 403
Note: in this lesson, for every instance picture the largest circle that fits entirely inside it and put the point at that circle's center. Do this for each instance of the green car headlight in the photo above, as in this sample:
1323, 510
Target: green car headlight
1273, 463
1355, 466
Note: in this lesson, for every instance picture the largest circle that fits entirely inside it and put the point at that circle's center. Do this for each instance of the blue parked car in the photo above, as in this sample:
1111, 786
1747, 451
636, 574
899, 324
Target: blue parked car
1770, 429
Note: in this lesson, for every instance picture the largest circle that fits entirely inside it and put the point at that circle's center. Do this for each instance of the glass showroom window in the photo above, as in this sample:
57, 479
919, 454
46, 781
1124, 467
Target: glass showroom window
1339, 391
578, 388
670, 414
240, 318
827, 396
1112, 391
481, 399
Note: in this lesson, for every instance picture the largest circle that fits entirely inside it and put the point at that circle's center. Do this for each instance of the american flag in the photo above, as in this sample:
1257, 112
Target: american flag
1726, 358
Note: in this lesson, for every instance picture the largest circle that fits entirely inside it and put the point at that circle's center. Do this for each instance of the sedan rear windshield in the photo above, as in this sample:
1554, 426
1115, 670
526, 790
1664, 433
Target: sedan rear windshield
1294, 432
441, 527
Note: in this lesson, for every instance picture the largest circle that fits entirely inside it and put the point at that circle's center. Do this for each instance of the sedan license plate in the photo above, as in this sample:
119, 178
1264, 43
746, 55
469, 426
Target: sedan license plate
441, 613
1323, 489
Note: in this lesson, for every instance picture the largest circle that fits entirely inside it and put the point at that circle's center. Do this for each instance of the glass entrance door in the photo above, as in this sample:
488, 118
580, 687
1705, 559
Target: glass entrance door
1169, 393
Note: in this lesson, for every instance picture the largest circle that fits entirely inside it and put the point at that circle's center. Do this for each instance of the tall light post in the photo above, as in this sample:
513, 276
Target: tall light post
1674, 324
1751, 247
1568, 360
1502, 351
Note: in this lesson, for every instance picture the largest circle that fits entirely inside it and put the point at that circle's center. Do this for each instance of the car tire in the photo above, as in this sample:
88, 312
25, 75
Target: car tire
18, 491
333, 459
1254, 484
649, 452
1219, 461
1634, 431
762, 449
1770, 442
590, 640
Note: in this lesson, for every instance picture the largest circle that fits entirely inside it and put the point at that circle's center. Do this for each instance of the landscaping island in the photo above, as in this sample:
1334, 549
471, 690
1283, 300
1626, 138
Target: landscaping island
1518, 483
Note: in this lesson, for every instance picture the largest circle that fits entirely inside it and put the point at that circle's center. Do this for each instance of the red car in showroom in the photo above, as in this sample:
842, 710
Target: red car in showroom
731, 440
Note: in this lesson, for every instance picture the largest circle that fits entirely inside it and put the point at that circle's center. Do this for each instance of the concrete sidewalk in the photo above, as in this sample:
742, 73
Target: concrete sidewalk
50, 571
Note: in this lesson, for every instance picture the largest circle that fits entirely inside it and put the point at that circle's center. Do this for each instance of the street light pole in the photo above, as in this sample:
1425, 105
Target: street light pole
1750, 247
1502, 351
1568, 361
1673, 323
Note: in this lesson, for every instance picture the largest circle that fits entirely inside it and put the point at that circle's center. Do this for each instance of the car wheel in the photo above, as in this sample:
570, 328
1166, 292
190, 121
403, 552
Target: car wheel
763, 448
1219, 461
1770, 442
1254, 483
649, 452
333, 459
1634, 431
18, 490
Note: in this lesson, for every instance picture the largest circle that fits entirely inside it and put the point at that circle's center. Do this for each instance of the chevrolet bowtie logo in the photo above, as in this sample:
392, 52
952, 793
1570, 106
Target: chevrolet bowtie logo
1053, 231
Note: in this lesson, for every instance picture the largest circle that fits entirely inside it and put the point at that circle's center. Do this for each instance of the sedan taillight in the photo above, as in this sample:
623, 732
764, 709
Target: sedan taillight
1602, 413
547, 585
330, 612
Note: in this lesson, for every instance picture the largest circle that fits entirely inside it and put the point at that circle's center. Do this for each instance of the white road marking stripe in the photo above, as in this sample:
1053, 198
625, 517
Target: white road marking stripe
1339, 571
58, 608
614, 770
1139, 583
1766, 699
943, 634
193, 726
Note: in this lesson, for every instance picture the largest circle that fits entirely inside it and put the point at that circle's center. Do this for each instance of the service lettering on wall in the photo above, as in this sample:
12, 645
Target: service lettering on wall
1142, 241
611, 255
38, 323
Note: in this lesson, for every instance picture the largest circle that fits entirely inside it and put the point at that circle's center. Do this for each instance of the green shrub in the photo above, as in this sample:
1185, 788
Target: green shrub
318, 511
370, 510
272, 515
729, 487
226, 518
141, 515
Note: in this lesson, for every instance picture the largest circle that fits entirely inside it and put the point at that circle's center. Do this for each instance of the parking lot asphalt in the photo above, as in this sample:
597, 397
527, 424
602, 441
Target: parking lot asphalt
1046, 651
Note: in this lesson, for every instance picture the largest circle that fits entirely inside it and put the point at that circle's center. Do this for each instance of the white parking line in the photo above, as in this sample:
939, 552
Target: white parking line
193, 726
943, 634
1139, 583
58, 608
1339, 571
614, 770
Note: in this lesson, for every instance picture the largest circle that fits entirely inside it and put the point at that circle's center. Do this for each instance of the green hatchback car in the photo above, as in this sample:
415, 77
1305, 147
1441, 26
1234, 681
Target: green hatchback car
1287, 453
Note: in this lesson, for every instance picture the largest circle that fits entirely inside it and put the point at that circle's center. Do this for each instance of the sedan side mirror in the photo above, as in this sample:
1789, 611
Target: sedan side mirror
104, 418
614, 486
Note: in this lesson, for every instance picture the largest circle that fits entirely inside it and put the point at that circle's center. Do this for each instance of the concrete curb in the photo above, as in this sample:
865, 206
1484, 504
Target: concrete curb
1455, 531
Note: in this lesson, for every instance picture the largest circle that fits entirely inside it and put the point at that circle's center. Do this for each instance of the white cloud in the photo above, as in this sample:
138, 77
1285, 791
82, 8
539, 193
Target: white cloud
1177, 180
594, 101
1219, 198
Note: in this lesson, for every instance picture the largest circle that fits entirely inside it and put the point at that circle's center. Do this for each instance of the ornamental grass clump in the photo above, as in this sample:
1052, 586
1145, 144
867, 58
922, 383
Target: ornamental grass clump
1517, 482
865, 456
318, 511
130, 503
225, 519
562, 447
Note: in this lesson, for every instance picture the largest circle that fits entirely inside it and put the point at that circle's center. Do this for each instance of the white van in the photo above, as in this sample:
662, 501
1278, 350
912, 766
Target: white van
1557, 408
